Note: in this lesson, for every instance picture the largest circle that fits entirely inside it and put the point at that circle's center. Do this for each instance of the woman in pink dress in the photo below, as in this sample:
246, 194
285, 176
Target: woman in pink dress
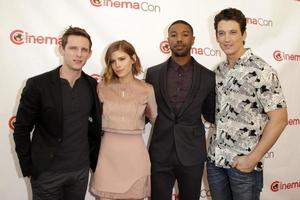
123, 170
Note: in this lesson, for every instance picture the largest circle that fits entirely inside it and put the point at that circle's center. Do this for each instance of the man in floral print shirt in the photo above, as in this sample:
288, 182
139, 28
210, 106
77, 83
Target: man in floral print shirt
250, 114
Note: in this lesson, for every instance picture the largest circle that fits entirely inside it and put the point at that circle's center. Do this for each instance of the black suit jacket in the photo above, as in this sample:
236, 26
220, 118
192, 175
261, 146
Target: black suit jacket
184, 128
41, 110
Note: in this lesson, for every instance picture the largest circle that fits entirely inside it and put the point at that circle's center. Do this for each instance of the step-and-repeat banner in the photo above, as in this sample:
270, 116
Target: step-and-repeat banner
30, 34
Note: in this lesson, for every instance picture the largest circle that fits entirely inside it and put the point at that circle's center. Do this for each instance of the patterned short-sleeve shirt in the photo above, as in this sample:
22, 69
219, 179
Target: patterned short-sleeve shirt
245, 93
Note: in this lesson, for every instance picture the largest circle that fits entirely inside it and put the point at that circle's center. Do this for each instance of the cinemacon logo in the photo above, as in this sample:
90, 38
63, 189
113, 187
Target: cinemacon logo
139, 6
206, 51
277, 186
282, 56
294, 122
259, 21
20, 37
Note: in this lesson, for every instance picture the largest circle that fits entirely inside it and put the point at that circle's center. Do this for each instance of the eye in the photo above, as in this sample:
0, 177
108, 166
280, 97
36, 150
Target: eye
172, 35
220, 33
85, 50
111, 62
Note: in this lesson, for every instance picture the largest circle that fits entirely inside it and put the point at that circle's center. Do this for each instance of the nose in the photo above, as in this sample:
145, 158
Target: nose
79, 53
179, 37
227, 37
117, 64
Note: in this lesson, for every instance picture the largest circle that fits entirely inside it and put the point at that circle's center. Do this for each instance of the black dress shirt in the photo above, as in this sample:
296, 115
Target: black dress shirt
179, 81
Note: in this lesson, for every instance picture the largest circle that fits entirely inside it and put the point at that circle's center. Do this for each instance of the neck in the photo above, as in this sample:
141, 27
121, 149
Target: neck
233, 58
181, 60
70, 75
125, 80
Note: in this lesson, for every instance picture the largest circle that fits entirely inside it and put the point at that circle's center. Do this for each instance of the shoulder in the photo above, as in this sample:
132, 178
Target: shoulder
102, 86
256, 63
92, 80
204, 71
141, 84
157, 67
218, 68
44, 78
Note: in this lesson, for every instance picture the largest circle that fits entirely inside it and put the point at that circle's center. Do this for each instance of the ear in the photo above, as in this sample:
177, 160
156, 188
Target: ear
193, 40
90, 53
134, 57
245, 35
61, 50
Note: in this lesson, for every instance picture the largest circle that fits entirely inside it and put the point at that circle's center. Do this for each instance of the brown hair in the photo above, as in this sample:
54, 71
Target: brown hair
231, 14
74, 31
125, 46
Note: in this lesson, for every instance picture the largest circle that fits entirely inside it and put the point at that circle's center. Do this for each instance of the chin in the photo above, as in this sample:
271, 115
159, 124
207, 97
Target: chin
180, 54
77, 68
228, 52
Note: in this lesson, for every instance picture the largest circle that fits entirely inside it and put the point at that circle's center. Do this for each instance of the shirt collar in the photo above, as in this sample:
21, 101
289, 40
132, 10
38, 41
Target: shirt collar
243, 59
173, 65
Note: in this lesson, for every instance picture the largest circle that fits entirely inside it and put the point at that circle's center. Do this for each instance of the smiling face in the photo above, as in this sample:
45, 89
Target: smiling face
230, 38
121, 64
75, 53
181, 40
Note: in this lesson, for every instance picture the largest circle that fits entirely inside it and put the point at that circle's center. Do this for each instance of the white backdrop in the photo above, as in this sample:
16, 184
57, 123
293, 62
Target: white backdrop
28, 45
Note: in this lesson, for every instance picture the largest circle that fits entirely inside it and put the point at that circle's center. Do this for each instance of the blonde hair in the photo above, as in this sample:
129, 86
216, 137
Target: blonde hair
125, 46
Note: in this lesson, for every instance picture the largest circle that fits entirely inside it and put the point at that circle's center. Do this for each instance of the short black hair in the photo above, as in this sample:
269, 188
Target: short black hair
181, 22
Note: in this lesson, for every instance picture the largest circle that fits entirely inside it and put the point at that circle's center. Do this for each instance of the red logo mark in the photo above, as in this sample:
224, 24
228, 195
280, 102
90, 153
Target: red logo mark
11, 122
17, 37
165, 47
275, 186
96, 3
278, 55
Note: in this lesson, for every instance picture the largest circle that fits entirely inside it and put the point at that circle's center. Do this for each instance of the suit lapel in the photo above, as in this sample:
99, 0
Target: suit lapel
163, 84
56, 94
194, 87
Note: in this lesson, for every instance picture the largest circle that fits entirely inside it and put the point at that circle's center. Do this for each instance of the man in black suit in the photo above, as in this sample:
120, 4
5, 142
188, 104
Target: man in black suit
184, 91
62, 108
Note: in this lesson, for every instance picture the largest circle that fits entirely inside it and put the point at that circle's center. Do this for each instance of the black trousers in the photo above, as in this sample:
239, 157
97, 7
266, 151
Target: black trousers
163, 176
60, 186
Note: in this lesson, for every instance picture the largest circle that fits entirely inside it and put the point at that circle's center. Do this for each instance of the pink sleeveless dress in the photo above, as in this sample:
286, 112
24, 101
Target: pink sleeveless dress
123, 170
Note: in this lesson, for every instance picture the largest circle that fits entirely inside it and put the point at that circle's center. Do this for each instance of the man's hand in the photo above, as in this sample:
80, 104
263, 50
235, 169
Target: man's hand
244, 164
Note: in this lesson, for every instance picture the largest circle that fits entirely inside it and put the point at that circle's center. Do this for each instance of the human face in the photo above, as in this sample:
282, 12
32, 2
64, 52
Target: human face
75, 53
121, 64
181, 40
230, 38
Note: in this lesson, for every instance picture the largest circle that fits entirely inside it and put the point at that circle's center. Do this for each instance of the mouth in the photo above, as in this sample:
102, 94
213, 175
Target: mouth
227, 46
118, 71
78, 61
179, 46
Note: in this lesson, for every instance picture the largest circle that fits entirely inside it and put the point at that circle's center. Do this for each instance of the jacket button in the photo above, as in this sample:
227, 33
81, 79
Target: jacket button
51, 155
59, 140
